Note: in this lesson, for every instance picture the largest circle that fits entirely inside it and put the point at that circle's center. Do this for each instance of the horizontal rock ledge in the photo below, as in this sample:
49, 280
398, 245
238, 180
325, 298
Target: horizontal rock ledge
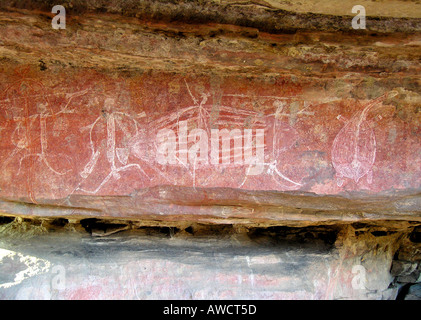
273, 17
173, 205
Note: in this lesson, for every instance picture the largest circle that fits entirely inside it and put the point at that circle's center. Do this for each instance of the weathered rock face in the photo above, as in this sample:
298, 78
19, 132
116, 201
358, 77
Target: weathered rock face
59, 260
243, 114
209, 107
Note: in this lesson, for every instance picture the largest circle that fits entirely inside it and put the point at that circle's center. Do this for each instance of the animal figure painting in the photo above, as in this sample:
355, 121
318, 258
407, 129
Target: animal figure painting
99, 138
354, 147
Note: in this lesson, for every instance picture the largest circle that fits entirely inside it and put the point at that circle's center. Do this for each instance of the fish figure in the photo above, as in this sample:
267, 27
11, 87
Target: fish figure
354, 147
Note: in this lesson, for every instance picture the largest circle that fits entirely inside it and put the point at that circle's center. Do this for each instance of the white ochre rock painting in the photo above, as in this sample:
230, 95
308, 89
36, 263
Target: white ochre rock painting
354, 147
118, 142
